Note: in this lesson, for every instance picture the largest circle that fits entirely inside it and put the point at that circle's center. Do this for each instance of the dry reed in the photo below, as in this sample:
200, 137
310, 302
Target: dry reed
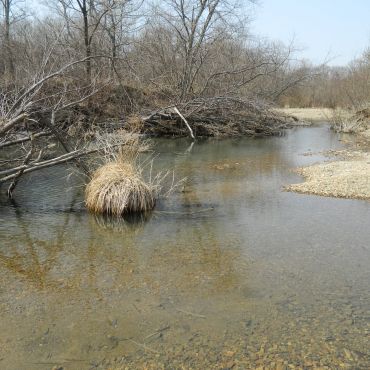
118, 186
351, 121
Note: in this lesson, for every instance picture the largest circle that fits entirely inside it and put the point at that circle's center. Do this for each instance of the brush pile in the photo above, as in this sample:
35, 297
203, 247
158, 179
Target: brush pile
220, 116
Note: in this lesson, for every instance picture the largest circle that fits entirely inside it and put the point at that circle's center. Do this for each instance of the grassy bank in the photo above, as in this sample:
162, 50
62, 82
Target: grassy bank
308, 114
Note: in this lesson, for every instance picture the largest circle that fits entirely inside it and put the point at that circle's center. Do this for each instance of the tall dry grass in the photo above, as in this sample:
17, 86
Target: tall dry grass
118, 187
354, 120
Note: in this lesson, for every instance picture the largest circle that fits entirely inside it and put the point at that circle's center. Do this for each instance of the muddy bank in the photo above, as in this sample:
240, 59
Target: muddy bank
346, 177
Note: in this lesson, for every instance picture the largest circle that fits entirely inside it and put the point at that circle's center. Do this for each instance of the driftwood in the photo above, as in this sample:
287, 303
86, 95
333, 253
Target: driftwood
37, 165
23, 139
186, 122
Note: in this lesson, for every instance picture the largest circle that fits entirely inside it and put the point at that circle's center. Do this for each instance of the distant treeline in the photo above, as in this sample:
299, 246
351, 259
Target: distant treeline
333, 87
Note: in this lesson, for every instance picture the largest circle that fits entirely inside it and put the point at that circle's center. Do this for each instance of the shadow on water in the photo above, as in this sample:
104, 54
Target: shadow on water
228, 272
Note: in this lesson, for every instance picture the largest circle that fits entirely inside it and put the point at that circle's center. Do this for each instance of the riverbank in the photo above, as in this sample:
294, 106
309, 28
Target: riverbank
353, 121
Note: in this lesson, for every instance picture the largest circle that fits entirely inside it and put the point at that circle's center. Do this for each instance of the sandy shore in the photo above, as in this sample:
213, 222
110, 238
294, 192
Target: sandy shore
348, 177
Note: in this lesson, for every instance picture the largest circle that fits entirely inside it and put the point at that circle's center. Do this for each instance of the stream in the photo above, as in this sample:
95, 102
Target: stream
231, 272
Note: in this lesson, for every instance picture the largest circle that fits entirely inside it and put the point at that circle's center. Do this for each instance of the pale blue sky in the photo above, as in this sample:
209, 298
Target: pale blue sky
338, 28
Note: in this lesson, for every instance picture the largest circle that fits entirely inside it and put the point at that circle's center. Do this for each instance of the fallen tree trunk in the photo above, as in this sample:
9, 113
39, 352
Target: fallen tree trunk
20, 172
72, 156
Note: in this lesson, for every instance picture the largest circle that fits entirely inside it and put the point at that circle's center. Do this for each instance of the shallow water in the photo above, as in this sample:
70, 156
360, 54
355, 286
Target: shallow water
232, 272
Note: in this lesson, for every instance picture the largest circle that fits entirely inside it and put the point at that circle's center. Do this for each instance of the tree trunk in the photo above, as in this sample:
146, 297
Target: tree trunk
9, 66
86, 40
114, 52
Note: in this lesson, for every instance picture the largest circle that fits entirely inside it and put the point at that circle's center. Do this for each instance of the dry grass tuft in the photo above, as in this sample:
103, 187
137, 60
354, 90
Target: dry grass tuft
135, 124
117, 188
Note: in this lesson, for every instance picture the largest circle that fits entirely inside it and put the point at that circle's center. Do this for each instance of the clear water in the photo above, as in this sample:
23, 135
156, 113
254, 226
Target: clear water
231, 272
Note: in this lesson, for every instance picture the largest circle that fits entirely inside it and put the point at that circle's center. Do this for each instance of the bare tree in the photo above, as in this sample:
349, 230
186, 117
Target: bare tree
86, 17
195, 23
121, 18
12, 11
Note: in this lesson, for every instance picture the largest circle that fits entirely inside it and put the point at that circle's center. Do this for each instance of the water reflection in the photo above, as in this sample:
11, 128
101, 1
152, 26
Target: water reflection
30, 257
122, 224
